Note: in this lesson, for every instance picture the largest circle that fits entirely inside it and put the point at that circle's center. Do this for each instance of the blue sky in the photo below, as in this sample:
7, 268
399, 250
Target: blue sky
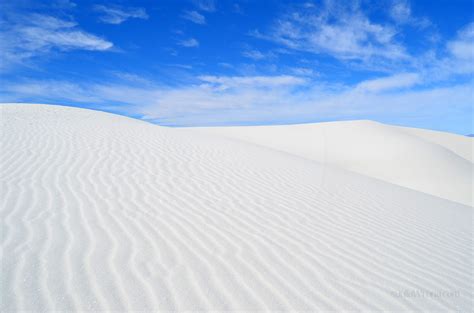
204, 62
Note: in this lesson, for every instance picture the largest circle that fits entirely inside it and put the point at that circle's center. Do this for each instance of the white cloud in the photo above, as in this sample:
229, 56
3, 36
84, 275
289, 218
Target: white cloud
226, 82
401, 13
118, 15
205, 5
225, 65
37, 34
42, 32
398, 81
221, 93
344, 32
463, 46
181, 66
51, 90
130, 77
189, 43
253, 54
194, 17
303, 71
456, 60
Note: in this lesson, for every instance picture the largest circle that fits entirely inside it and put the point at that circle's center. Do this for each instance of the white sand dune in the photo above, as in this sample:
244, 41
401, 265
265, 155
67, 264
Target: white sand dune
461, 145
104, 212
433, 162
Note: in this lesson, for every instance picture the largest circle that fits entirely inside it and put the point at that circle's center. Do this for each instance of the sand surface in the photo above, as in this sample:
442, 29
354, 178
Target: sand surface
103, 212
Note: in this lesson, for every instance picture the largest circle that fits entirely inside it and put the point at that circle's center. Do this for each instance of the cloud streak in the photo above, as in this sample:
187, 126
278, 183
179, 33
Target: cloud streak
189, 43
118, 15
398, 81
194, 17
253, 54
205, 5
34, 35
463, 46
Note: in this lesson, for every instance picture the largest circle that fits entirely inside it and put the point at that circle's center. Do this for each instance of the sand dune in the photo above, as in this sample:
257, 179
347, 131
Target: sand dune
461, 145
436, 163
104, 212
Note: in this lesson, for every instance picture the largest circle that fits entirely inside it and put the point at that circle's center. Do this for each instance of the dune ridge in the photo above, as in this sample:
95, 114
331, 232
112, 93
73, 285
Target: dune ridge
103, 212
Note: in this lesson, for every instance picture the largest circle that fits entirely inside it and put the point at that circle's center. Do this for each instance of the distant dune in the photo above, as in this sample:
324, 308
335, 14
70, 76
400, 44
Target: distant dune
103, 212
433, 162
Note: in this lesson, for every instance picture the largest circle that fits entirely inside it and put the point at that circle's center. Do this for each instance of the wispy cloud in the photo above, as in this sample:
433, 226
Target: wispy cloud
455, 60
118, 15
194, 17
227, 82
48, 89
205, 5
342, 31
130, 77
401, 13
303, 71
253, 54
394, 82
189, 43
26, 37
462, 47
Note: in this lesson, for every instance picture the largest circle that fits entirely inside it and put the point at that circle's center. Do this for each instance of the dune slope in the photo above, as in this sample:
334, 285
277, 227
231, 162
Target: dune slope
103, 212
461, 145
436, 163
